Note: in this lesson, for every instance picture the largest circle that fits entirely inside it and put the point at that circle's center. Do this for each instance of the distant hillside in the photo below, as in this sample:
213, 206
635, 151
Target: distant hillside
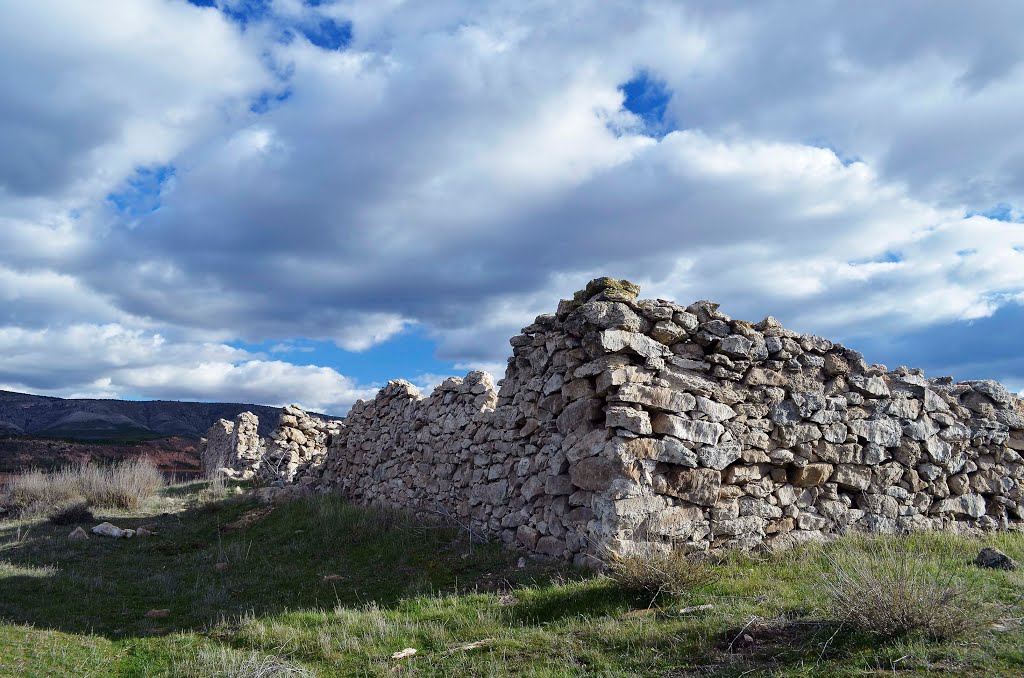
118, 420
177, 456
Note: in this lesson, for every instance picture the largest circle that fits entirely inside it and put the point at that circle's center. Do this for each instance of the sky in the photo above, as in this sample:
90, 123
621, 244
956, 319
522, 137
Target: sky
279, 201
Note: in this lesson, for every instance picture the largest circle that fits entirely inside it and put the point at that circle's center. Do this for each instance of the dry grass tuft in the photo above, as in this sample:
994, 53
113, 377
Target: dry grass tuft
225, 663
124, 485
660, 574
888, 591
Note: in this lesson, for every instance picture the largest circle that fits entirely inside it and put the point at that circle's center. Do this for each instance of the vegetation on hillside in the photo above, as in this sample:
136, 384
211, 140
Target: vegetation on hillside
322, 588
124, 485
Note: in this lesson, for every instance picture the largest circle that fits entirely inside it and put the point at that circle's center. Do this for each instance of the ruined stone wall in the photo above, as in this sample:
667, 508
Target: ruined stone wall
626, 424
236, 450
300, 440
233, 449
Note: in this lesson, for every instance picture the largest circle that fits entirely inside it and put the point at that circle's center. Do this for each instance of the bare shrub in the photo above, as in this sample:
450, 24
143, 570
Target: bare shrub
885, 590
123, 485
72, 513
657, 573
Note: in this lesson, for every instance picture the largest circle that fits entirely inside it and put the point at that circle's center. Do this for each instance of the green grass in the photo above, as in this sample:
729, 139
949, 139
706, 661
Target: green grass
322, 588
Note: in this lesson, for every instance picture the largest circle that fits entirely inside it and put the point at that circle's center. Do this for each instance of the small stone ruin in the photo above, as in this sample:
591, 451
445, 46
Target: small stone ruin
626, 425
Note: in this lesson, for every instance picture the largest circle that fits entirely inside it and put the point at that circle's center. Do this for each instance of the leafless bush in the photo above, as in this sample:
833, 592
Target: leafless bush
123, 485
656, 573
887, 591
72, 513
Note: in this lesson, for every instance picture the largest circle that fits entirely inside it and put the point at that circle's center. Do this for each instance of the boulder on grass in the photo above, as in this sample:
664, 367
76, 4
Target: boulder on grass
108, 530
994, 559
78, 534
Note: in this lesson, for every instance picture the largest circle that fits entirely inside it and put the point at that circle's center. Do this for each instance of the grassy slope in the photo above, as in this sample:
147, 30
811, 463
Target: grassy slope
323, 588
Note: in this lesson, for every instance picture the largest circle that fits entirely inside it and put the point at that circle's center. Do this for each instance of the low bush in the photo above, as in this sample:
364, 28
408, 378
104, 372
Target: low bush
122, 485
657, 574
72, 513
882, 588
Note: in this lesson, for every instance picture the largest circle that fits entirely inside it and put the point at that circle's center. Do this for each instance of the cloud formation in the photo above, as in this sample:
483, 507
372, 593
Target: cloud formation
346, 171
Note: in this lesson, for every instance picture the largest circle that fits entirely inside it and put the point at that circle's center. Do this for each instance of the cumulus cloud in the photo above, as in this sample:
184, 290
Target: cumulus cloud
111, 361
209, 175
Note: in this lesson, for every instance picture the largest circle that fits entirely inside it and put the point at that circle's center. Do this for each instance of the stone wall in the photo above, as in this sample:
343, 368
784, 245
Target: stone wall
626, 424
236, 450
233, 449
299, 440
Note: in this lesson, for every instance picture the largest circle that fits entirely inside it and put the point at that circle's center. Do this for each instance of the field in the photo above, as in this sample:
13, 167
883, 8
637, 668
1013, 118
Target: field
323, 588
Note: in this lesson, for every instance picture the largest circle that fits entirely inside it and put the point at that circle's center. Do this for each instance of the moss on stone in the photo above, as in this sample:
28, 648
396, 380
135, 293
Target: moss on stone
613, 289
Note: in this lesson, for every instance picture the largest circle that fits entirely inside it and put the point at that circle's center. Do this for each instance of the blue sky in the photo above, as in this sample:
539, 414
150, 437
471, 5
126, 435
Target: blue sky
291, 201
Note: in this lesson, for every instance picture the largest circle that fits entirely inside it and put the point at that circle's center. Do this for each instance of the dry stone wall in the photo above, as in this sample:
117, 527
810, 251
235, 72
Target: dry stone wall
233, 449
299, 440
236, 450
630, 425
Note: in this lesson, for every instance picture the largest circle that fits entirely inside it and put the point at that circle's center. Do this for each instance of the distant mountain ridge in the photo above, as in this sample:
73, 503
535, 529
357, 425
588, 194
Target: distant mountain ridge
94, 419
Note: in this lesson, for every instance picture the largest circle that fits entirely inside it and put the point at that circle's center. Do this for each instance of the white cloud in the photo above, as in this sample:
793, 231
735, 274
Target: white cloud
112, 361
462, 166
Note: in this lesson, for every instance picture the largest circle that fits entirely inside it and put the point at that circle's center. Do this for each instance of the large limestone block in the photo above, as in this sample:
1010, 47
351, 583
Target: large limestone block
810, 475
884, 431
551, 546
657, 398
617, 341
739, 474
993, 389
852, 476
698, 486
108, 530
970, 505
687, 429
594, 473
217, 451
667, 332
759, 376
580, 414
608, 288
603, 315
921, 429
675, 522
872, 387
735, 346
718, 456
738, 527
669, 450
714, 411
637, 421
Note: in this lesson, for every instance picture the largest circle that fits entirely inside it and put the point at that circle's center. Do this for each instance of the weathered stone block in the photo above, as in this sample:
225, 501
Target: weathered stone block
656, 398
852, 476
718, 456
697, 486
675, 522
634, 420
687, 429
970, 505
714, 411
594, 473
811, 475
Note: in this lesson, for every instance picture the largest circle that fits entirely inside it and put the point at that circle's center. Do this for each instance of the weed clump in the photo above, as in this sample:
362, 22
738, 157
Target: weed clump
657, 574
226, 663
125, 485
887, 591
